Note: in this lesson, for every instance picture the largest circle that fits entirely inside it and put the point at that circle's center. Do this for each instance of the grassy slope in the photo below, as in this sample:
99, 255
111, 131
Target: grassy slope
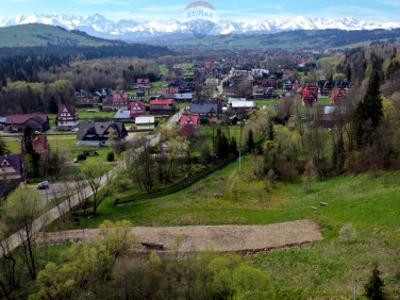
370, 203
33, 35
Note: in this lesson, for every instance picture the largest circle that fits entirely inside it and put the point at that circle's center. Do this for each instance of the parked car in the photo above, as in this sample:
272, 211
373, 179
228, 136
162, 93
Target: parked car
43, 185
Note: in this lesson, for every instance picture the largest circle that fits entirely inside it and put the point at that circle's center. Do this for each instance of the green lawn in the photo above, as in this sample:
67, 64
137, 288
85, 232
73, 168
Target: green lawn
155, 86
326, 269
86, 115
206, 133
324, 101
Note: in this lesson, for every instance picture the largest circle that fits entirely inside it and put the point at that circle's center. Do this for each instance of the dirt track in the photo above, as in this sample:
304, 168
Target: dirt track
228, 238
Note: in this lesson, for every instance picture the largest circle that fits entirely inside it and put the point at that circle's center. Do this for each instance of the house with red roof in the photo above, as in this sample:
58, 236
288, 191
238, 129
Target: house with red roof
120, 101
310, 95
18, 123
188, 131
137, 109
190, 120
67, 117
162, 107
338, 94
40, 144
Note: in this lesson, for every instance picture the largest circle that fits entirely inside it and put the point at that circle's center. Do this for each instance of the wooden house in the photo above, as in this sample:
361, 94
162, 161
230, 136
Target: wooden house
18, 123
67, 118
162, 107
97, 133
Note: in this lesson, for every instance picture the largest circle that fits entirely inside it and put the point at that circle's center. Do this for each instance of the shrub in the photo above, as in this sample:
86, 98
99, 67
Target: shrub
110, 157
374, 289
81, 156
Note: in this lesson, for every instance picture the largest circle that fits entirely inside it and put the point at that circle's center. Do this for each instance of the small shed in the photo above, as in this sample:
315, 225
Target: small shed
145, 123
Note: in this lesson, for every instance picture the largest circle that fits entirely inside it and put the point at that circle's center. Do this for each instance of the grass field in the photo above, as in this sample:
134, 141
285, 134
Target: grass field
206, 133
324, 101
334, 267
85, 115
68, 145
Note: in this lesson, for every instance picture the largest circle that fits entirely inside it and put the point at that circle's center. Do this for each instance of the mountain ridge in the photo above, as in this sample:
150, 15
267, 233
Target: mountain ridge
131, 30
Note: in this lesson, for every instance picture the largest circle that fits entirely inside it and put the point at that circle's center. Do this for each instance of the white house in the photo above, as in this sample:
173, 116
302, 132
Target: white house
145, 123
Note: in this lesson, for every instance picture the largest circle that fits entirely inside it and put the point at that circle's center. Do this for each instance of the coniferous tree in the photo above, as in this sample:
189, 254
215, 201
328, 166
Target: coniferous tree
53, 107
271, 134
348, 72
374, 289
233, 148
3, 148
369, 112
32, 157
250, 141
222, 145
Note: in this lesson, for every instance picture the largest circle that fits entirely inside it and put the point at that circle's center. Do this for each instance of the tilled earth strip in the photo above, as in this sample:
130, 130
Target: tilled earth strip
226, 238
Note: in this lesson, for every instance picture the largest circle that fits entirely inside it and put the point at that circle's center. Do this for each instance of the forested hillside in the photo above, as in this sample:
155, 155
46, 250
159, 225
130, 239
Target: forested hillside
34, 35
304, 39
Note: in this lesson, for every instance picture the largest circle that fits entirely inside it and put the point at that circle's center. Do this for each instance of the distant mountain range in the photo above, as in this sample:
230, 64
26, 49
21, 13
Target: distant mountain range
131, 30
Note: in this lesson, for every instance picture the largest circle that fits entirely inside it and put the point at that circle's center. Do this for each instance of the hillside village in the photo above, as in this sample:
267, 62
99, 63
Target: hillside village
285, 158
219, 92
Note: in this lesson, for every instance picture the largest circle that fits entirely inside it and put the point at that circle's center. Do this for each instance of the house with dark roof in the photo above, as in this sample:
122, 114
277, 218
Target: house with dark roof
97, 133
162, 107
3, 121
85, 99
12, 173
18, 123
107, 104
67, 117
143, 83
206, 111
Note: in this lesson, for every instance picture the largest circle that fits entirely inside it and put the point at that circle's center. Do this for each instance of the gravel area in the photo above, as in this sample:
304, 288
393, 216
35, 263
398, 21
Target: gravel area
227, 238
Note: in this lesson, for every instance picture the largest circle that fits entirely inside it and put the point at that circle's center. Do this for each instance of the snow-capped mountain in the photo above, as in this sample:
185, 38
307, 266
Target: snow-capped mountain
100, 26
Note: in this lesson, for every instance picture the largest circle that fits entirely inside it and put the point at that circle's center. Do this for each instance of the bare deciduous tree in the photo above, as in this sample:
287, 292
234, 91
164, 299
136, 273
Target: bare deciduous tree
21, 210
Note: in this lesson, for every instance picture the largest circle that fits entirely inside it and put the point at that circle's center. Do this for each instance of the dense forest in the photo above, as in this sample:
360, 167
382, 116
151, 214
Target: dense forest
37, 79
25, 63
42, 89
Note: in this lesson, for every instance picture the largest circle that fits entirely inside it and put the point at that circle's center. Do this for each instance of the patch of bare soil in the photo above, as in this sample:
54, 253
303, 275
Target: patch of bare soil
226, 238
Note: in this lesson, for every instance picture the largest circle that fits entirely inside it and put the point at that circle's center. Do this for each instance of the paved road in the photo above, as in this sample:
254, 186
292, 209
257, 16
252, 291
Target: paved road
55, 190
226, 238
55, 213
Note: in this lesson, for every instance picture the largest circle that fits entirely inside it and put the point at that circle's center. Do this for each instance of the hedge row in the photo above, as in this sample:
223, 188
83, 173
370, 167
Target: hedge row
178, 186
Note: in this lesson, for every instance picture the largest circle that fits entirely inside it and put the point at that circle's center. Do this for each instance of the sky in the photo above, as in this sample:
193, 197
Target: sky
368, 10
